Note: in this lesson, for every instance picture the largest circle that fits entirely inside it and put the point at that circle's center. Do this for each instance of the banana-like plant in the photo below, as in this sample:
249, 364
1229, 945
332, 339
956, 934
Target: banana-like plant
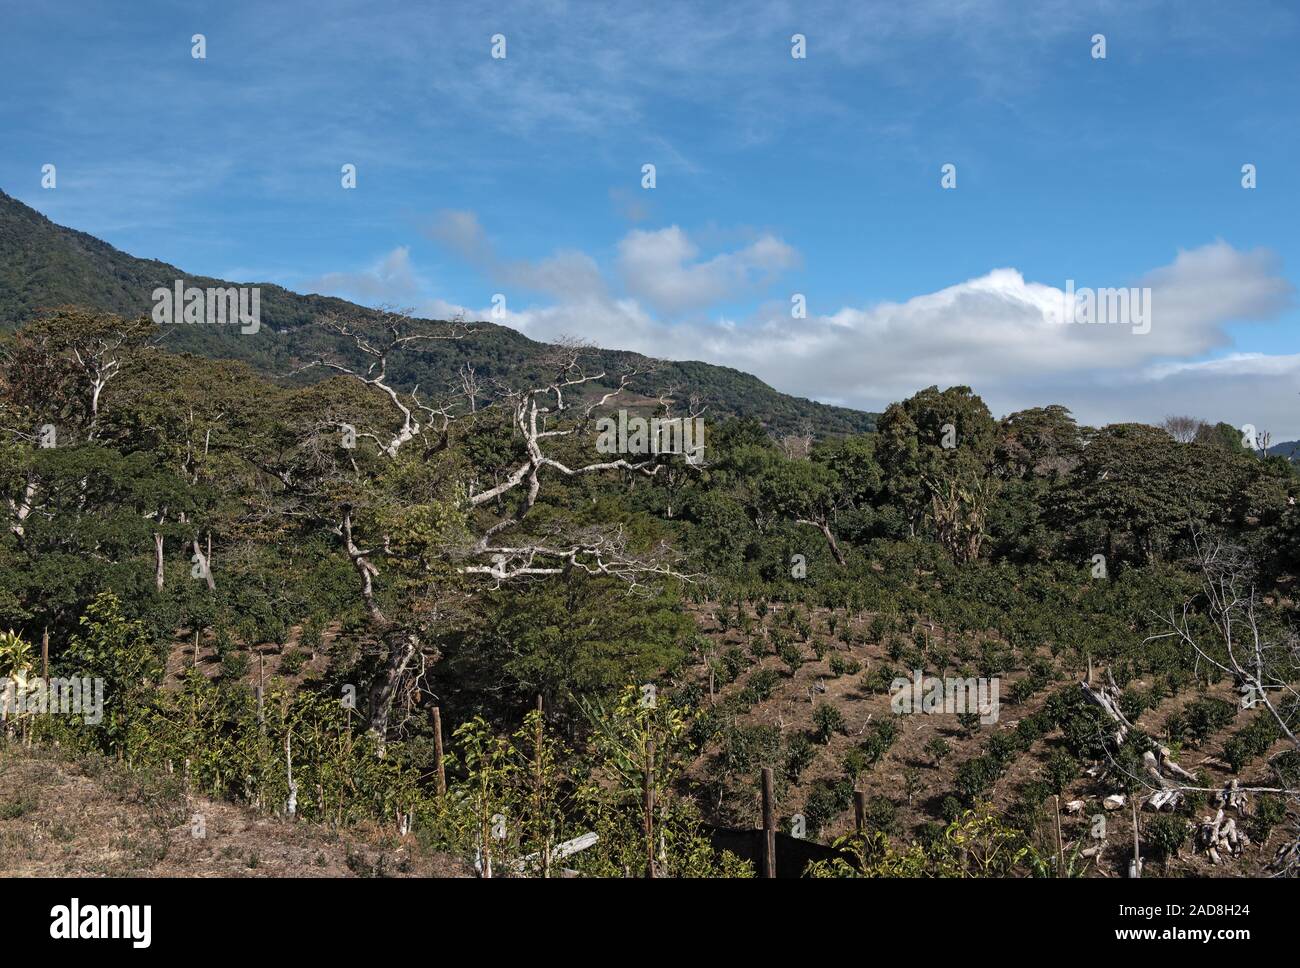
15, 666
15, 656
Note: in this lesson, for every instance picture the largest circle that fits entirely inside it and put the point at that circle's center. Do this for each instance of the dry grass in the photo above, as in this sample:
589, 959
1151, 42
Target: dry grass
91, 817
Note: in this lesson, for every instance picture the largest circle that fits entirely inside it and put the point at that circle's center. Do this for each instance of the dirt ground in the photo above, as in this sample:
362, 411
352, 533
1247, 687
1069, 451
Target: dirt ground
90, 817
791, 705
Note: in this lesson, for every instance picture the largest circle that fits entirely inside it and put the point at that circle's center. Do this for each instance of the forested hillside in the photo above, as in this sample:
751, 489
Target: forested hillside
43, 265
455, 614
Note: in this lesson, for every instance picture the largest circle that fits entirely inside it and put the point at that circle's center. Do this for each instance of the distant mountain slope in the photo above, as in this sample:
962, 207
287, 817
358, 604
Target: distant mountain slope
44, 265
1290, 449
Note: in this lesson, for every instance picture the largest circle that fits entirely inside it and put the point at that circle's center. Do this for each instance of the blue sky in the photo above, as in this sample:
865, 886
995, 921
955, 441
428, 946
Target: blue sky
775, 176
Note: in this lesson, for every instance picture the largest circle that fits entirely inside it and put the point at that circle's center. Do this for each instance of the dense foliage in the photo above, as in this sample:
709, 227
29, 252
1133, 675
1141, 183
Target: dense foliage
190, 518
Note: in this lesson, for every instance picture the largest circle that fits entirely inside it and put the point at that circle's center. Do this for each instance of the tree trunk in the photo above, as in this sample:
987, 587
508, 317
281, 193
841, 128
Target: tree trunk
835, 546
824, 527
206, 564
382, 697
158, 560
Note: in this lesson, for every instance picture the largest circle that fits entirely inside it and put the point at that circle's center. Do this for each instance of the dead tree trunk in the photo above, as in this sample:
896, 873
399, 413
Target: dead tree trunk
158, 574
204, 562
1158, 763
825, 528
402, 649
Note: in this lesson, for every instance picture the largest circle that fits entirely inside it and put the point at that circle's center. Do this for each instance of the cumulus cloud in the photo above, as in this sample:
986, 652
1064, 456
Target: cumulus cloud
662, 268
999, 330
999, 333
390, 280
461, 232
567, 275
1004, 336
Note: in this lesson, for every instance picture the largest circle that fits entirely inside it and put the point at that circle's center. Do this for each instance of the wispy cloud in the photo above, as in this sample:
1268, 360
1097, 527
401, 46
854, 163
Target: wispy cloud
999, 332
390, 280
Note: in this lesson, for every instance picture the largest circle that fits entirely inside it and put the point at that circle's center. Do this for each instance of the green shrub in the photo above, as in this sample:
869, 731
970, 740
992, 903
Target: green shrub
1251, 741
827, 800
881, 814
733, 663
1061, 769
1198, 719
234, 666
854, 762
292, 661
841, 665
975, 776
759, 687
800, 752
1165, 834
1270, 810
827, 721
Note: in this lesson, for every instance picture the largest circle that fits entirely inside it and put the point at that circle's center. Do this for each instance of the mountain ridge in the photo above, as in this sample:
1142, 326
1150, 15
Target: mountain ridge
43, 265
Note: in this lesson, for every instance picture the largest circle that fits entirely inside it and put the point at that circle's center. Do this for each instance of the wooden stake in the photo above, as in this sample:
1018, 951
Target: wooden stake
769, 824
649, 808
541, 821
437, 752
1060, 848
261, 686
1137, 858
859, 810
45, 654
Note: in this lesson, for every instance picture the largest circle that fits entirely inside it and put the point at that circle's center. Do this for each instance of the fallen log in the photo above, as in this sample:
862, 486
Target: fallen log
1158, 762
1218, 837
1286, 861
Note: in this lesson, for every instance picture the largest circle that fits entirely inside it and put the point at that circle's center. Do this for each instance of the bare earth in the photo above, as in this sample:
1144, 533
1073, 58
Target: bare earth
90, 817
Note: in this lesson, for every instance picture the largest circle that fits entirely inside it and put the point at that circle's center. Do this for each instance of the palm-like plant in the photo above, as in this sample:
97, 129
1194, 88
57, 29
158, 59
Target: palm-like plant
15, 655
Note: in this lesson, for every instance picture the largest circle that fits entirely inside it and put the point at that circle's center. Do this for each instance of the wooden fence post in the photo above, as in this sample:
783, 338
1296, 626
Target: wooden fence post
261, 686
769, 824
649, 808
859, 810
437, 752
1135, 869
537, 767
1060, 844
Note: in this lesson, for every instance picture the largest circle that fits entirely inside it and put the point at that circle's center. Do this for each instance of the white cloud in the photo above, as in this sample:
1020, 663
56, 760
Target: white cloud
461, 232
660, 268
1255, 389
1001, 335
998, 333
390, 280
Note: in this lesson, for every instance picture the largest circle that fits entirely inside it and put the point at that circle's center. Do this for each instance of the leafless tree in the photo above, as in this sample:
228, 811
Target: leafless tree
1263, 666
797, 446
379, 340
470, 385
555, 408
1182, 428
